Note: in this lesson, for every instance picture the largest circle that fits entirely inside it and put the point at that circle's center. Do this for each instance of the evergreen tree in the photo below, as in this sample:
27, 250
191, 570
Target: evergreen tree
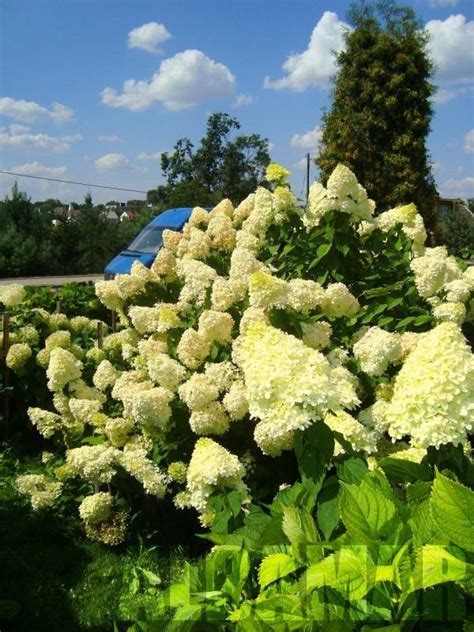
381, 111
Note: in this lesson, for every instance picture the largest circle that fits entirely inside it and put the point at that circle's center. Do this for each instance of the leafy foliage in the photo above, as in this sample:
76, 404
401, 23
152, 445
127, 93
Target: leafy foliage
221, 166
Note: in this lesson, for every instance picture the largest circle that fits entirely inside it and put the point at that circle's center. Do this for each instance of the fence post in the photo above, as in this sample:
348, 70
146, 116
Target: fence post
6, 372
58, 307
100, 335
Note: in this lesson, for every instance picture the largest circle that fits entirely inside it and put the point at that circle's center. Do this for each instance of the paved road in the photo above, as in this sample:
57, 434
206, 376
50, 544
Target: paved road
55, 281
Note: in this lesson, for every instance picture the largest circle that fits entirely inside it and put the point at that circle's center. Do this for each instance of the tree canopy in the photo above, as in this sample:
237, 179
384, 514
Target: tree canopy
224, 165
381, 110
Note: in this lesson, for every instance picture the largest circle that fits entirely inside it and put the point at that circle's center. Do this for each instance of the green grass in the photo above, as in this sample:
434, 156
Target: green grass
53, 579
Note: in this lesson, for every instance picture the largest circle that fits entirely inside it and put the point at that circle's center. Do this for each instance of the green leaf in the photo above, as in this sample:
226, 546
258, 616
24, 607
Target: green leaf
275, 567
452, 509
328, 508
435, 565
314, 449
352, 470
298, 526
279, 610
348, 571
367, 513
152, 578
321, 252
402, 471
423, 527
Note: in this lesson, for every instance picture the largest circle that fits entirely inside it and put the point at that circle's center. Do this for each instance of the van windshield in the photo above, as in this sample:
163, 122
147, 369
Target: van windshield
149, 240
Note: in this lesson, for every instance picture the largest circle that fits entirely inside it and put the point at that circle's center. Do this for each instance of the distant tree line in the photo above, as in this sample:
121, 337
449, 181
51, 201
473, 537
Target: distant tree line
31, 244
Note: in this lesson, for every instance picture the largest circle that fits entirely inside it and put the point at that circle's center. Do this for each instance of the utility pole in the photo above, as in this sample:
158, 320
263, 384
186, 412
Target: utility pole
307, 177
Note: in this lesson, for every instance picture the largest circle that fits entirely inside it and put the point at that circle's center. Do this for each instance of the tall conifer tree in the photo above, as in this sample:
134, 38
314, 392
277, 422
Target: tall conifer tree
381, 111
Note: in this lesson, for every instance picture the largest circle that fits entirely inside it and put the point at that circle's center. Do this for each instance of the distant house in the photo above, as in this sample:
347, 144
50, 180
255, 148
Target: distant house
447, 207
112, 214
128, 214
64, 213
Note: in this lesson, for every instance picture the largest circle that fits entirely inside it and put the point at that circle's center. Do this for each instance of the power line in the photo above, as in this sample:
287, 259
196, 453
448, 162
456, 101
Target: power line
83, 184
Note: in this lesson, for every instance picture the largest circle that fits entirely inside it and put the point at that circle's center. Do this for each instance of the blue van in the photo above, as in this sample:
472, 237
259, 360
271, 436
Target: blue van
145, 246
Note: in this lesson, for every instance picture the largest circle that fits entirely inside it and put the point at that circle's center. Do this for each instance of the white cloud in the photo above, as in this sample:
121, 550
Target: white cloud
469, 142
316, 65
463, 188
148, 37
37, 169
445, 95
154, 156
435, 167
182, 82
242, 99
301, 164
309, 140
21, 136
435, 4
110, 139
111, 162
30, 111
451, 49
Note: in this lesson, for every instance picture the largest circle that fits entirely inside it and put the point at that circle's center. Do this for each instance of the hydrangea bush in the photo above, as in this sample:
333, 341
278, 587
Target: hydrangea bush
253, 325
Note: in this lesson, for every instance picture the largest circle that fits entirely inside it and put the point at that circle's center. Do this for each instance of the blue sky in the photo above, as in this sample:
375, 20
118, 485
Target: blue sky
66, 111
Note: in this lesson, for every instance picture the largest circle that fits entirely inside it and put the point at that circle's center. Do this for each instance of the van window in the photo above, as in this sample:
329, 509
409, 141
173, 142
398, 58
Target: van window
149, 240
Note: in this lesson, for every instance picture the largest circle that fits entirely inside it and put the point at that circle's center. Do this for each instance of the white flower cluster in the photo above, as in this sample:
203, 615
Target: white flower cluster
134, 460
46, 422
160, 318
201, 392
63, 369
108, 294
211, 465
343, 193
411, 221
18, 356
360, 437
41, 491
12, 295
439, 279
95, 463
433, 397
105, 375
96, 508
376, 349
270, 361
317, 335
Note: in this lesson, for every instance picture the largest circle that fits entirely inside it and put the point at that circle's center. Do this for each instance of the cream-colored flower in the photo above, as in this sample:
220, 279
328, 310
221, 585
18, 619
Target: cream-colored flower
211, 466
433, 398
376, 350
63, 368
96, 508
12, 295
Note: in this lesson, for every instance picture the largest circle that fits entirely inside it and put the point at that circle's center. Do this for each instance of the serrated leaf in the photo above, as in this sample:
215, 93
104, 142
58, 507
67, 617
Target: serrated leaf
452, 508
279, 610
275, 567
314, 449
352, 470
423, 528
298, 526
367, 513
401, 470
435, 565
349, 571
